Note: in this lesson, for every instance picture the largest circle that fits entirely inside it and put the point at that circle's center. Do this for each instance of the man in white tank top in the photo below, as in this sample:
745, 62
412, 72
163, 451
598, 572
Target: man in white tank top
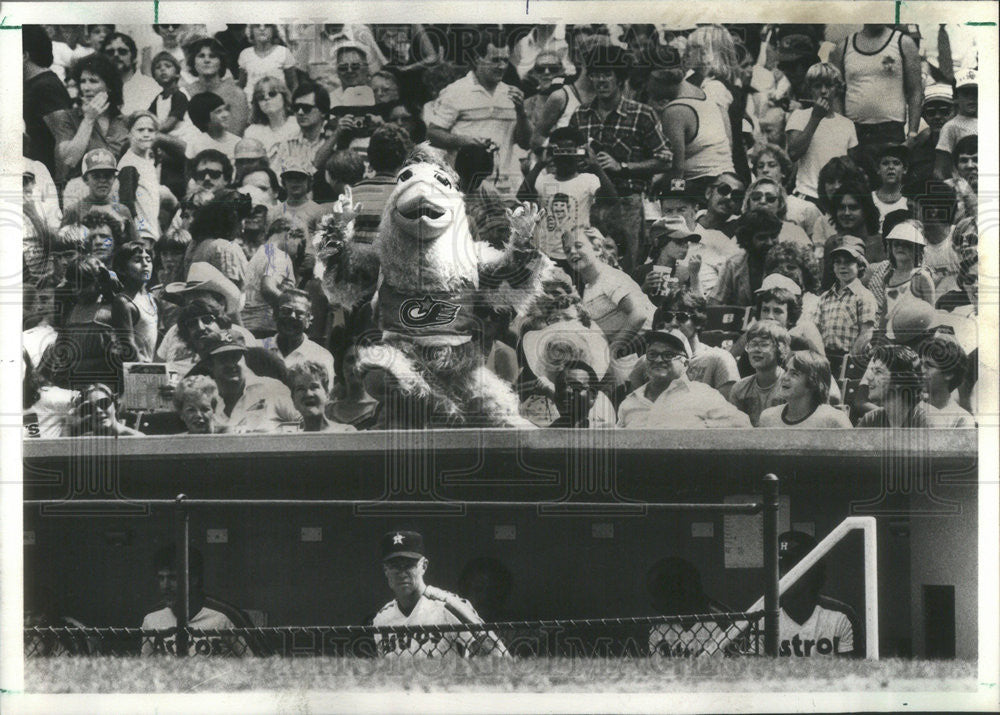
881, 68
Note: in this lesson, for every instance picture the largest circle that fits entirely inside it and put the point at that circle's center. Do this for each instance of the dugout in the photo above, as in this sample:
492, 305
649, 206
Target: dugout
318, 565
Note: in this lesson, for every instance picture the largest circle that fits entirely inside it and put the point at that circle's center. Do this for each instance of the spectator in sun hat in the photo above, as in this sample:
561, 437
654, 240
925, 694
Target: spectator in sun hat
669, 400
902, 277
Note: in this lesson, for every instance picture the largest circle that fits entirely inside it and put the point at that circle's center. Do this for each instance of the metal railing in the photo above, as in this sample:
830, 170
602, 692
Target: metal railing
733, 633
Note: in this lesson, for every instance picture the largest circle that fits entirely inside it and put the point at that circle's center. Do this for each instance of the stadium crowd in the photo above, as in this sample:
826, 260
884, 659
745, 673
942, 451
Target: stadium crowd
757, 226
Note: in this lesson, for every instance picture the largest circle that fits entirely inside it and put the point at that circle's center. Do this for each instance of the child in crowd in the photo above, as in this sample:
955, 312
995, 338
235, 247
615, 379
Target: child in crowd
133, 310
848, 310
210, 115
565, 183
169, 256
143, 129
99, 173
267, 58
271, 271
893, 162
171, 104
964, 123
671, 270
767, 347
805, 389
817, 135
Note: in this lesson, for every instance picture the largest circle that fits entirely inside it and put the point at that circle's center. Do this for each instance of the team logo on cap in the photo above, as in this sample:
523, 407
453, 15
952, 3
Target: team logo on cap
398, 539
427, 312
678, 185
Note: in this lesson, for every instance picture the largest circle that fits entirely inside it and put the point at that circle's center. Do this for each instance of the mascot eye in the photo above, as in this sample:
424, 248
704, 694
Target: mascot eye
443, 180
405, 176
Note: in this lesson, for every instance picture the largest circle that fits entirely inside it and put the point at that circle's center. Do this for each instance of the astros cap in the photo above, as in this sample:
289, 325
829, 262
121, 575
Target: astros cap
97, 159
409, 544
792, 546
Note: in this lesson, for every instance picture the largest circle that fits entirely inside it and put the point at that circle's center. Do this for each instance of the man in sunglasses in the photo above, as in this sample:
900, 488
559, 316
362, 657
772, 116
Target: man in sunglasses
353, 73
670, 400
292, 317
310, 104
724, 199
138, 90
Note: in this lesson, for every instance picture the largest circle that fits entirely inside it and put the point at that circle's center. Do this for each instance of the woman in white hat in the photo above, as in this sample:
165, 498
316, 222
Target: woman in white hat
902, 277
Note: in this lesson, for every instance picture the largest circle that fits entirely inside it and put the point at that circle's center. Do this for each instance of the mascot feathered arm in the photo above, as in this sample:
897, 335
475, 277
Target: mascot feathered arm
514, 275
348, 271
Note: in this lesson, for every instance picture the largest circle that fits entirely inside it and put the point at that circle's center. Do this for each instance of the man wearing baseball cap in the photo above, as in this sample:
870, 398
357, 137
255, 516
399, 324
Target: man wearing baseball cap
810, 624
964, 123
670, 269
669, 400
249, 155
100, 169
678, 202
404, 564
250, 403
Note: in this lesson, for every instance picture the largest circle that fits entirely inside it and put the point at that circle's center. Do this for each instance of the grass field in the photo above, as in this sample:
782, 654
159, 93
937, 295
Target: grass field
201, 675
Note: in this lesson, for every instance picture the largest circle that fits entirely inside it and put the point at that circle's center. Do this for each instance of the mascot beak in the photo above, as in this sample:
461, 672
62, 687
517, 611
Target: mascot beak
422, 210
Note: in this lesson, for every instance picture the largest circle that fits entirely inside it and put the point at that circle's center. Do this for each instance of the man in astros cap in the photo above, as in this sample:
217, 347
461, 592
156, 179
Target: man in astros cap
404, 564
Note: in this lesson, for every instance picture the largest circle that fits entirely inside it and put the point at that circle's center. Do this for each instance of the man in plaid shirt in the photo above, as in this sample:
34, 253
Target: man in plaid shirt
847, 311
629, 143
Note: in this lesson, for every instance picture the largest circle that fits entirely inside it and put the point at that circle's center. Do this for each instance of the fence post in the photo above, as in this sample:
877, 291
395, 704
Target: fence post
770, 494
183, 576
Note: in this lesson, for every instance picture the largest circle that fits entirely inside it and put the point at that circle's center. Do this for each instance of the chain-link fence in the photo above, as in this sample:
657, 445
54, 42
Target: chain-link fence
712, 634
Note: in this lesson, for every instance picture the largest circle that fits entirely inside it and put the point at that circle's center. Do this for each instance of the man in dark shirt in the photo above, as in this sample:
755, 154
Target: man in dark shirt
43, 95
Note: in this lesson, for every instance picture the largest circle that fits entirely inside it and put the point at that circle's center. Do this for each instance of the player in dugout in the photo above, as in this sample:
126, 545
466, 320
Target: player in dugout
809, 623
417, 604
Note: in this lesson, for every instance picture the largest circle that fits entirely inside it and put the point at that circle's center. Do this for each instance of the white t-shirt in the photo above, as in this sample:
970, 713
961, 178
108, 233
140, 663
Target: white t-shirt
270, 138
715, 248
602, 298
943, 261
308, 350
823, 417
147, 194
576, 197
267, 261
825, 632
273, 64
954, 129
205, 619
199, 141
885, 209
834, 136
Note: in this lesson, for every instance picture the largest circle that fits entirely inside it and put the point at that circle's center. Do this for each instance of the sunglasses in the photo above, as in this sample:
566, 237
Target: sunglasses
104, 403
760, 196
269, 94
208, 174
670, 316
548, 69
350, 67
725, 190
300, 108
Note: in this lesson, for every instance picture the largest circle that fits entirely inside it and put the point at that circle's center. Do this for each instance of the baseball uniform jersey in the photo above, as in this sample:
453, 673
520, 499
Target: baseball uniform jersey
205, 619
435, 608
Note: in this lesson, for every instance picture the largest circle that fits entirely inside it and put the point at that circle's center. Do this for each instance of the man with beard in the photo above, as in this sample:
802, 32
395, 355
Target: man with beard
138, 90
